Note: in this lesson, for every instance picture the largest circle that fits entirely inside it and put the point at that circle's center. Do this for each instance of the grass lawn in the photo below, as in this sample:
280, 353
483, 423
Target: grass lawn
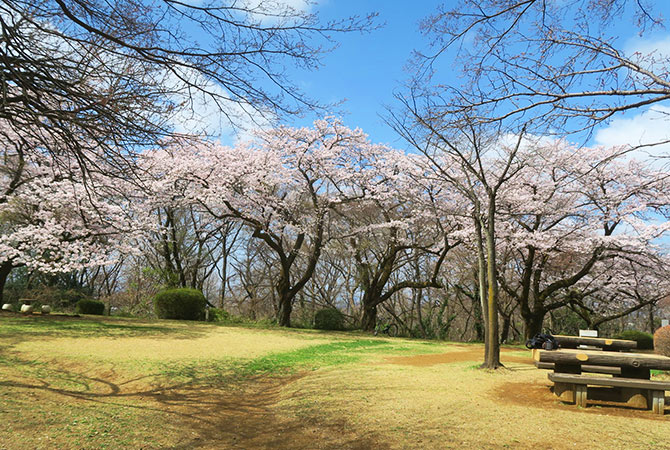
124, 383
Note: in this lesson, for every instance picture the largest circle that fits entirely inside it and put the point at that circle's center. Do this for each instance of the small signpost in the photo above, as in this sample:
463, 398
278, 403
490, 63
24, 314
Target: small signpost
588, 333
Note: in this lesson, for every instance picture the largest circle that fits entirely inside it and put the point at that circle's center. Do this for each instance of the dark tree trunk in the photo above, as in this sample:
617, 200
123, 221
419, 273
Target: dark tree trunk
481, 281
533, 321
504, 333
369, 321
284, 312
492, 346
478, 319
5, 270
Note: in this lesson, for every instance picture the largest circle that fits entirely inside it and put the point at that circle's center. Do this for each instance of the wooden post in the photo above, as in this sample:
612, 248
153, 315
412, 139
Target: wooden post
580, 395
657, 401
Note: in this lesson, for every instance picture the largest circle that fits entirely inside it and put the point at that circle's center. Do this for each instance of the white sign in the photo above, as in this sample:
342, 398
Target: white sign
665, 323
588, 333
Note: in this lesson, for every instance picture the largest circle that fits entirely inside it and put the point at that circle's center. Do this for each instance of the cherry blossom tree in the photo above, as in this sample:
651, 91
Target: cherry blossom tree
477, 164
284, 187
571, 212
51, 221
410, 225
620, 286
544, 213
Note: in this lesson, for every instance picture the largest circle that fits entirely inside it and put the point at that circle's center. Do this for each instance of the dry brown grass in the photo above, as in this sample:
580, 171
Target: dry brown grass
210, 343
452, 404
64, 388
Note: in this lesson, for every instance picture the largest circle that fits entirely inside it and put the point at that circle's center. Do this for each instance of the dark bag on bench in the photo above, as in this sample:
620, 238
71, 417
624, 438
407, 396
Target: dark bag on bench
543, 341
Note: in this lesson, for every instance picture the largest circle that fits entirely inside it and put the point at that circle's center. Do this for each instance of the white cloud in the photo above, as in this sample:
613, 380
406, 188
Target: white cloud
298, 5
206, 110
645, 129
660, 48
270, 10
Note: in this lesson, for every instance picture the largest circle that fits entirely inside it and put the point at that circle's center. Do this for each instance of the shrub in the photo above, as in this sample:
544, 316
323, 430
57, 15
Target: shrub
183, 304
329, 319
662, 341
645, 341
218, 315
88, 306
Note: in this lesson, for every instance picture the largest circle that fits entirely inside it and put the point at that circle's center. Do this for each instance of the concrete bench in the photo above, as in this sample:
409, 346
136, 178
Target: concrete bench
636, 392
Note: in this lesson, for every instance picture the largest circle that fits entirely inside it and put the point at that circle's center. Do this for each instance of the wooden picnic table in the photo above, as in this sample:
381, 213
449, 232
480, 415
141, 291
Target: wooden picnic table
630, 383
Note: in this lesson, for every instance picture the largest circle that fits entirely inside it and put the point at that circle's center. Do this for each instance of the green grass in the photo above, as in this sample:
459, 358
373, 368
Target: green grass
312, 357
283, 363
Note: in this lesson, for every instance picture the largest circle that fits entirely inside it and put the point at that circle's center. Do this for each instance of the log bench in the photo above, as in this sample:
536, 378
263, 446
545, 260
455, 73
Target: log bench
634, 391
609, 370
630, 382
611, 345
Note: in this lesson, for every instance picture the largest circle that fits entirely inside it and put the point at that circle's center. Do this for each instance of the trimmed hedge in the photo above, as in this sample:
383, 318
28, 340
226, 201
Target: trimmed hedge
645, 341
88, 306
662, 341
181, 304
329, 319
218, 315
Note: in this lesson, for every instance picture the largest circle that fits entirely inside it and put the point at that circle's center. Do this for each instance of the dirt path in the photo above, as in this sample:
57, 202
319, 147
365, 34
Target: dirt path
249, 416
246, 414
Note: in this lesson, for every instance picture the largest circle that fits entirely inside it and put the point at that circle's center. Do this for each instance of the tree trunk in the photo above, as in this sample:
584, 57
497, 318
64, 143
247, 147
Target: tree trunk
481, 280
479, 325
492, 357
285, 300
369, 321
504, 333
419, 316
284, 311
533, 322
5, 269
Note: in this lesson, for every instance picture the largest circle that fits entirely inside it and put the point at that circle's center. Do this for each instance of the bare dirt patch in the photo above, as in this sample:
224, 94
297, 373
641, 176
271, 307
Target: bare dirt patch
540, 395
460, 354
248, 418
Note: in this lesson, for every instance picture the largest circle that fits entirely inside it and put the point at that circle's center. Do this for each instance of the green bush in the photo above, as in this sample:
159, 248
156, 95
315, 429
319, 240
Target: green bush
88, 306
645, 341
183, 304
329, 319
662, 341
218, 315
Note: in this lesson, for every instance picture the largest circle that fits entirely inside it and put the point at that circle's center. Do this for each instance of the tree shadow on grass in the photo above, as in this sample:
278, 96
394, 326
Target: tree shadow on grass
233, 413
21, 328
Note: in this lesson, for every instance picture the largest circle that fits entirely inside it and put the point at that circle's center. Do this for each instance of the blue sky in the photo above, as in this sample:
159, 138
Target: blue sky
367, 68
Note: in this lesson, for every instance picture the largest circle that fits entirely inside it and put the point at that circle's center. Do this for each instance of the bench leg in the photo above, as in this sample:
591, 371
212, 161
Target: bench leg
637, 398
657, 401
565, 392
580, 395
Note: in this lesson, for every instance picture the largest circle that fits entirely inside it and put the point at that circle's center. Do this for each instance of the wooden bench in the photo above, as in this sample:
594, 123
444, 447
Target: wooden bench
602, 343
609, 370
573, 388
